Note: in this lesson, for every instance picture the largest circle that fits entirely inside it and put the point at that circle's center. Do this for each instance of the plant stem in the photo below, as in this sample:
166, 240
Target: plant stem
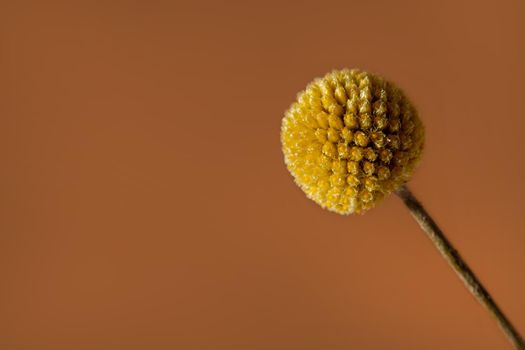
459, 265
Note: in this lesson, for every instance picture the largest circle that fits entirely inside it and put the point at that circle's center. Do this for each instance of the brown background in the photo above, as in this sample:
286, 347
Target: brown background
145, 204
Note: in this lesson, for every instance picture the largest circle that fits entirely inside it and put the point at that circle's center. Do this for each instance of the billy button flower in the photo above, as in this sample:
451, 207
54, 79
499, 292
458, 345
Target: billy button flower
350, 139
353, 116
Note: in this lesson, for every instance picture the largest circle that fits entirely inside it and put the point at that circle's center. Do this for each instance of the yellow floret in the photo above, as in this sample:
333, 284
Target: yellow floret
350, 139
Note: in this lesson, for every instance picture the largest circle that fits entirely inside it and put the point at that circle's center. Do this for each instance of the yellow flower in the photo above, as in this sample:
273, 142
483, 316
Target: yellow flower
350, 139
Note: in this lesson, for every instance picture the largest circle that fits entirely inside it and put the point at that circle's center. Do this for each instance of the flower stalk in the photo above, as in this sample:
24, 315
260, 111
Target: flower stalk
459, 265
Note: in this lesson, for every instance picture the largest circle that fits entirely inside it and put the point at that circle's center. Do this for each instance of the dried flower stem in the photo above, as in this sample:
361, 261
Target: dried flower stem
452, 256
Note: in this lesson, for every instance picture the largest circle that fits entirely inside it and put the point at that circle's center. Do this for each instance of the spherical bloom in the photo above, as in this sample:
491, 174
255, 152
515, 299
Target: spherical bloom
350, 139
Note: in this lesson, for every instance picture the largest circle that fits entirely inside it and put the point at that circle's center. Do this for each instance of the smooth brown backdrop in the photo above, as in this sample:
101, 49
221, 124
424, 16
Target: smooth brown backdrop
145, 204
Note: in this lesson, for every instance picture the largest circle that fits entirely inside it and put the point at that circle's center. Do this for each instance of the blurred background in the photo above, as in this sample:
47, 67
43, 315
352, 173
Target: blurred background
145, 203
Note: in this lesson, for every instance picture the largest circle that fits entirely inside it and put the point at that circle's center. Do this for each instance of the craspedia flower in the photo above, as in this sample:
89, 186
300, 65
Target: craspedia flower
350, 139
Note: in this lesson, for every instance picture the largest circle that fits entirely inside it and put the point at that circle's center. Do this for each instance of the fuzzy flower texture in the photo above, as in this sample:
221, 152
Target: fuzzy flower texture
350, 139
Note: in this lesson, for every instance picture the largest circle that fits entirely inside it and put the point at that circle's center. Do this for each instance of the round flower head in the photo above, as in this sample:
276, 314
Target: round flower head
350, 139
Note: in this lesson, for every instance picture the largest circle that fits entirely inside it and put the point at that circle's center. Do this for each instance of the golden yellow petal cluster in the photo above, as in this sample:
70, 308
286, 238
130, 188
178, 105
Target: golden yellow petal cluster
350, 139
